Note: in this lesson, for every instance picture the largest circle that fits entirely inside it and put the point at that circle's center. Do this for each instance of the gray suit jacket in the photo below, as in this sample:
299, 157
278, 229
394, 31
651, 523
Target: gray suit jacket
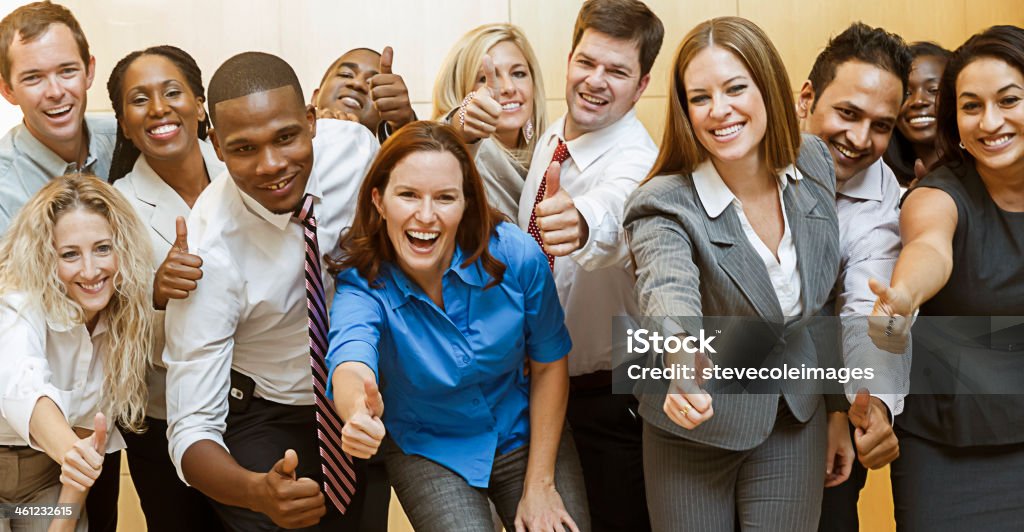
690, 265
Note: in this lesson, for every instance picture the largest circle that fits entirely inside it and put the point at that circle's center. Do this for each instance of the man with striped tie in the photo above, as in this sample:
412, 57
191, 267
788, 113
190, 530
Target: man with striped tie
244, 351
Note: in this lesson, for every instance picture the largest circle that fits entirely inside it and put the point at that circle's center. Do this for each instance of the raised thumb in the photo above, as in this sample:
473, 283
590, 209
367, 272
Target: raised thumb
859, 411
373, 399
99, 434
386, 58
553, 179
286, 466
181, 232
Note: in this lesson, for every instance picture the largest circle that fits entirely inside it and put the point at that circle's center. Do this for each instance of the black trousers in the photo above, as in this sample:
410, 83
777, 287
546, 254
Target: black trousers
258, 438
839, 503
608, 436
101, 503
168, 504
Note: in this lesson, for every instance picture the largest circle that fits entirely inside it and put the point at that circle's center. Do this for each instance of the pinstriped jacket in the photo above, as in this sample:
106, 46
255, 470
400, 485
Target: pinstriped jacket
690, 265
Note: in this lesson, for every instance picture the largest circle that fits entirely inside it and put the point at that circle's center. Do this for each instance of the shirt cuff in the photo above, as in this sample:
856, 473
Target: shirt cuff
181, 443
888, 399
354, 351
592, 254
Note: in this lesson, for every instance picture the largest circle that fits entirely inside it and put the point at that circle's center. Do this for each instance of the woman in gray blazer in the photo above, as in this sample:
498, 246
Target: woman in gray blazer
737, 219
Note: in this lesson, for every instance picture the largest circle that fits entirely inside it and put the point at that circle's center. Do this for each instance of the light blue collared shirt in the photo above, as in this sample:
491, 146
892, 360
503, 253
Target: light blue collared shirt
26, 165
452, 380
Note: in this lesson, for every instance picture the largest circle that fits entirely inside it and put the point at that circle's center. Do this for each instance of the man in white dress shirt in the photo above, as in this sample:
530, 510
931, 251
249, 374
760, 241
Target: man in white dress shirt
243, 333
579, 220
852, 101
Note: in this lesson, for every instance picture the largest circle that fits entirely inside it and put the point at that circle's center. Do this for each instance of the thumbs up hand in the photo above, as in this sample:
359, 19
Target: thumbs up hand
562, 228
480, 112
389, 93
290, 502
83, 462
889, 326
180, 271
364, 431
874, 438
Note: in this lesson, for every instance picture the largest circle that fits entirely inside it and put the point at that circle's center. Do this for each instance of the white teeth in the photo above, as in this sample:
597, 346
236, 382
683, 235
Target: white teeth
511, 106
846, 152
92, 287
58, 110
279, 185
728, 130
166, 128
422, 236
999, 141
591, 99
922, 120
351, 102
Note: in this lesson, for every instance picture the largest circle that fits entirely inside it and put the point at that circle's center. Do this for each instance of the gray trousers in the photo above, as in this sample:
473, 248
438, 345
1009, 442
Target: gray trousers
438, 500
774, 486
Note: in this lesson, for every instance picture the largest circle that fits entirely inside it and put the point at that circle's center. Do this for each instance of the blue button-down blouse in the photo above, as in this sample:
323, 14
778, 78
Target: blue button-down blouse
452, 380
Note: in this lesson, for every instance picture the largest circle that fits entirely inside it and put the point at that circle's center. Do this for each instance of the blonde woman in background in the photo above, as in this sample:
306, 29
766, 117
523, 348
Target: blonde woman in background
490, 89
75, 323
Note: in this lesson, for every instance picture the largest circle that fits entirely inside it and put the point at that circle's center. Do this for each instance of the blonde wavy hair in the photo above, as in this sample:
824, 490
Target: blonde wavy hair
458, 76
29, 266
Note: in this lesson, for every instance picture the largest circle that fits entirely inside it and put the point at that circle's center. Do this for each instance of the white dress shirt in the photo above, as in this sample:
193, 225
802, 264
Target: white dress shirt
249, 311
595, 283
715, 196
158, 206
43, 358
869, 238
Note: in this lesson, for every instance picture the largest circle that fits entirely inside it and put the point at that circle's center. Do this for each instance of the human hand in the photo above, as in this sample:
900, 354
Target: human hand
335, 114
83, 462
179, 272
889, 325
541, 510
562, 227
839, 454
480, 111
877, 444
364, 431
288, 501
686, 403
389, 94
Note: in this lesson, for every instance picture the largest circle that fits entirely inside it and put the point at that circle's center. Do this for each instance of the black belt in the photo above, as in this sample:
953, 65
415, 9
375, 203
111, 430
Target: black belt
14, 447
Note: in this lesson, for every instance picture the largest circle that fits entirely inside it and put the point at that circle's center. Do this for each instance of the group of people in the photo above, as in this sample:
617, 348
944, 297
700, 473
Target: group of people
282, 310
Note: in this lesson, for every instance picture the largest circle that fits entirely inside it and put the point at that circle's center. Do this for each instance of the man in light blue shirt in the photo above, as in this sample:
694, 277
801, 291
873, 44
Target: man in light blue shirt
46, 70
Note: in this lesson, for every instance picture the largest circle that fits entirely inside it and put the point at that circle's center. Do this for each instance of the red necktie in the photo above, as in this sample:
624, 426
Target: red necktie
560, 156
339, 477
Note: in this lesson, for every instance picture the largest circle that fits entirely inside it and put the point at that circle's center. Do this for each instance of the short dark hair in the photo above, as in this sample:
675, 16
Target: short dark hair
249, 73
337, 62
32, 20
1005, 43
125, 152
629, 20
861, 42
929, 49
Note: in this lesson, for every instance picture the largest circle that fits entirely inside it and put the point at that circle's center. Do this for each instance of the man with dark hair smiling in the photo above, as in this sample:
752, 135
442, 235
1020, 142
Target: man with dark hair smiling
852, 100
360, 86
242, 418
584, 167
46, 70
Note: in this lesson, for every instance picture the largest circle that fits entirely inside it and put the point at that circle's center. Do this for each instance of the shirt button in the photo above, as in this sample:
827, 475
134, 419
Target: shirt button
465, 359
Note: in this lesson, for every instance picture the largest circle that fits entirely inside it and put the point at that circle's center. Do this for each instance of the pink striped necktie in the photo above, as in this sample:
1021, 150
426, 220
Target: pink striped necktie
560, 156
339, 476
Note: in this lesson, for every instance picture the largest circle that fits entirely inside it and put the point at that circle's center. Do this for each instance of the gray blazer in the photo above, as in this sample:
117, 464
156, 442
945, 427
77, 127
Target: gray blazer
689, 265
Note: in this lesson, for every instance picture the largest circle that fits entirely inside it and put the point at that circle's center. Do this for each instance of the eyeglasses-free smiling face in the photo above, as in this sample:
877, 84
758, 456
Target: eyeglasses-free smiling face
266, 141
347, 89
49, 82
725, 106
603, 82
160, 114
422, 206
86, 260
917, 116
990, 115
516, 96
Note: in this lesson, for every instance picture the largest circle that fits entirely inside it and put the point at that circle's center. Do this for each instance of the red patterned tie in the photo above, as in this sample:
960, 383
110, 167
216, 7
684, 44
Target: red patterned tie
339, 477
560, 156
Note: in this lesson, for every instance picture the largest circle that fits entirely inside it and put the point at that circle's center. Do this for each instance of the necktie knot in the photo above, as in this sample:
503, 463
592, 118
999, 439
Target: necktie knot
561, 152
304, 214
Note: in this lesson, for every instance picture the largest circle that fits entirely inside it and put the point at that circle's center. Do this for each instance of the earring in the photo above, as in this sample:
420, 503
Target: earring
962, 145
528, 131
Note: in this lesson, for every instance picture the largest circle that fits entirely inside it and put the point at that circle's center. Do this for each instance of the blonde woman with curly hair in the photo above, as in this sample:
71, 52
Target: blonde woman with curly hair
75, 323
490, 89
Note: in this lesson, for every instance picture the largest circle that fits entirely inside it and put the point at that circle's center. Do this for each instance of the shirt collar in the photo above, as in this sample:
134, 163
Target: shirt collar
587, 148
402, 288
281, 221
866, 184
152, 189
59, 326
45, 157
715, 195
